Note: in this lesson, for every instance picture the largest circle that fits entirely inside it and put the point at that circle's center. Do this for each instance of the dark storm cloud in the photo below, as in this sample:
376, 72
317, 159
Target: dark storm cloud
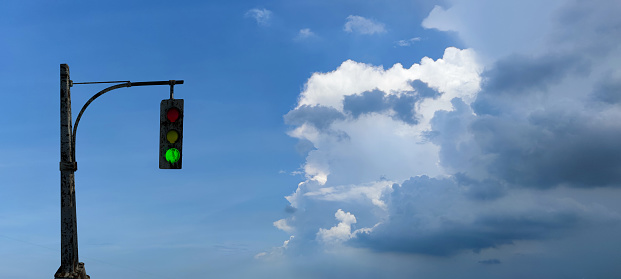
377, 101
319, 116
521, 136
608, 90
408, 231
591, 27
450, 131
490, 262
487, 189
556, 144
547, 149
519, 75
552, 148
553, 145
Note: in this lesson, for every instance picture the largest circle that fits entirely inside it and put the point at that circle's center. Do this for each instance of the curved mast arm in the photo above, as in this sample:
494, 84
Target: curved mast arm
77, 120
124, 84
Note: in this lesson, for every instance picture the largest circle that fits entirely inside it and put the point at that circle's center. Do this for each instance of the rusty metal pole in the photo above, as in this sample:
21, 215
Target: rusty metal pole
70, 267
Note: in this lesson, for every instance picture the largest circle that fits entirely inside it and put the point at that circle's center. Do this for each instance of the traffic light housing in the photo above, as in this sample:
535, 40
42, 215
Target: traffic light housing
171, 133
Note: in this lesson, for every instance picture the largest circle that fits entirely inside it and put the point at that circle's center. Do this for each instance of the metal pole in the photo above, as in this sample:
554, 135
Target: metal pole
70, 267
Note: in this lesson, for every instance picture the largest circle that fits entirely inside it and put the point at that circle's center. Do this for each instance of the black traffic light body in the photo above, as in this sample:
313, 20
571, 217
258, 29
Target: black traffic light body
171, 133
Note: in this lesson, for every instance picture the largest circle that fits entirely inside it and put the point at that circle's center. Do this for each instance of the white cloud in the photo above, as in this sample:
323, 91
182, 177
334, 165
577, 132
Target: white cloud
457, 73
340, 232
262, 16
356, 160
305, 34
260, 255
408, 42
440, 19
363, 25
450, 184
282, 225
275, 253
371, 191
496, 28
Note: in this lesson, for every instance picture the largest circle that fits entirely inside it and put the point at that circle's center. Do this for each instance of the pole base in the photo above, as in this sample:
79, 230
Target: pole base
79, 273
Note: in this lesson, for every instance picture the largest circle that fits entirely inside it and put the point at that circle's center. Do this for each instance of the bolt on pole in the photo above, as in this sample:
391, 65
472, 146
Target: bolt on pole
70, 266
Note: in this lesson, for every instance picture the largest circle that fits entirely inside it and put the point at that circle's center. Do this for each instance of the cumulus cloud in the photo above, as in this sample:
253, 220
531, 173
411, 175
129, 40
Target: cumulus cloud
367, 128
356, 141
363, 25
340, 232
262, 16
457, 74
428, 172
461, 154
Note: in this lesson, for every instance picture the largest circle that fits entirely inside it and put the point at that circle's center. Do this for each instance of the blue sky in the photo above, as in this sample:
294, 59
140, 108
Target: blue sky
322, 139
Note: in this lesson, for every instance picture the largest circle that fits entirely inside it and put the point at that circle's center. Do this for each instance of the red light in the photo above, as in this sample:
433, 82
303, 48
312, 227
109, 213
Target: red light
172, 114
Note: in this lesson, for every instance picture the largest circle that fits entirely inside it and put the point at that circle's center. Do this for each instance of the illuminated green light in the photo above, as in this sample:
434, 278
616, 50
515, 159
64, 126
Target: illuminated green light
173, 155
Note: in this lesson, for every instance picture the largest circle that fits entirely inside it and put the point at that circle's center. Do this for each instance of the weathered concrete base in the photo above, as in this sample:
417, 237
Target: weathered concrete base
80, 273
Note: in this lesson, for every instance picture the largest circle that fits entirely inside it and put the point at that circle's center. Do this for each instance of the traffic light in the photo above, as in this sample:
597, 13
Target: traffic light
171, 133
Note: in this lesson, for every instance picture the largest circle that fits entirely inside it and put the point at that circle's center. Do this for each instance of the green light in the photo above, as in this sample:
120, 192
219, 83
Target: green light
173, 155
